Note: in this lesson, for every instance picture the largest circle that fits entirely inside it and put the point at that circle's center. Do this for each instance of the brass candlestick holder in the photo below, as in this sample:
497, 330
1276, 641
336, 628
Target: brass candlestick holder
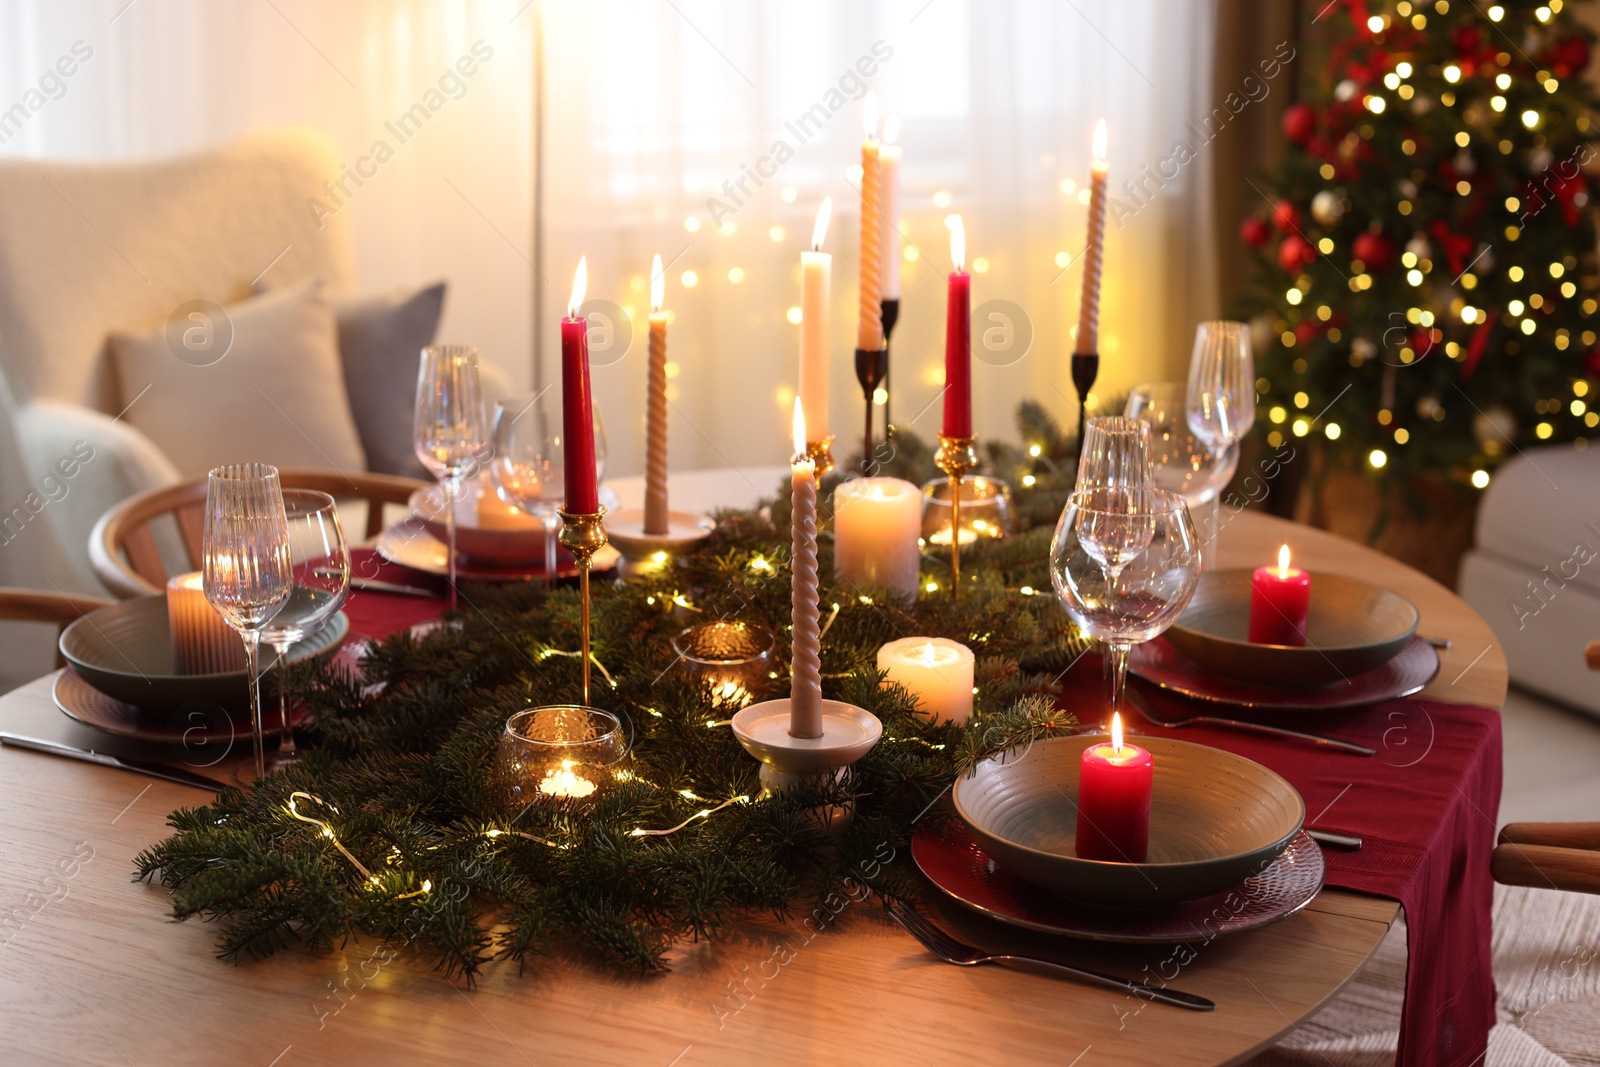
956, 456
583, 535
821, 454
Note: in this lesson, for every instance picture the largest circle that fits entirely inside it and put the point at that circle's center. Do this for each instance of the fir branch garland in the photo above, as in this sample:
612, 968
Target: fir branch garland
400, 758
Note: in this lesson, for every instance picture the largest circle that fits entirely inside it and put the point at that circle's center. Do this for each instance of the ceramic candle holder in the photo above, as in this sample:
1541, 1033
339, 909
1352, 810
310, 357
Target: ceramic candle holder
731, 658
848, 733
644, 553
986, 510
558, 752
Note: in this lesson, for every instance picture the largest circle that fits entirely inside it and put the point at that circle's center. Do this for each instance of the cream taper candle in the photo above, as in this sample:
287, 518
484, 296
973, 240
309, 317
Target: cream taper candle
816, 271
889, 184
936, 671
876, 523
869, 332
1089, 308
805, 686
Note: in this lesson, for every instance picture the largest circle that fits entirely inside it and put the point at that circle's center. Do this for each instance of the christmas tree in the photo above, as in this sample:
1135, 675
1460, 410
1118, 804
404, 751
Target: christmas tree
1428, 261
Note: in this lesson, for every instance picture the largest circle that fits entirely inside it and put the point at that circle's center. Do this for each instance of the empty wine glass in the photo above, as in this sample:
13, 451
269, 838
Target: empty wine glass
320, 571
1179, 460
1116, 452
449, 430
246, 573
1137, 594
1221, 405
527, 467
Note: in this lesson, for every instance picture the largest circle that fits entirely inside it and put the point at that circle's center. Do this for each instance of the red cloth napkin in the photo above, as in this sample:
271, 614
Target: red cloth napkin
1425, 806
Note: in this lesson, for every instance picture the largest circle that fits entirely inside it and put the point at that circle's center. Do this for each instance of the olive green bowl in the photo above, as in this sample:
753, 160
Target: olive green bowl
1352, 627
125, 651
1216, 819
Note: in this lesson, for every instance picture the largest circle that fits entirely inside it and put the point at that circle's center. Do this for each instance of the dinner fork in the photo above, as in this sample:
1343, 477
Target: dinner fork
1147, 710
950, 950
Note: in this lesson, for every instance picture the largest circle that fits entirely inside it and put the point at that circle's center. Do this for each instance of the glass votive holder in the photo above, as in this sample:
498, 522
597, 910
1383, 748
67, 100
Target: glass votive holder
731, 658
986, 509
562, 751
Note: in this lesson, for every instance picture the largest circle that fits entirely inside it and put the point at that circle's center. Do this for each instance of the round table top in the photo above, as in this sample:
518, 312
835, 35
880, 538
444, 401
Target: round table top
92, 970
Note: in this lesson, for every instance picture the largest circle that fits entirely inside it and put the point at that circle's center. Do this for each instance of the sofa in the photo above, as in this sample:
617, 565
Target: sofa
1534, 570
91, 253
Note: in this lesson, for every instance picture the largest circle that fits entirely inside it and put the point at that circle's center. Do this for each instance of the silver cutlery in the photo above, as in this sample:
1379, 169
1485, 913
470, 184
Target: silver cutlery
121, 763
950, 950
1148, 712
1334, 839
378, 585
1440, 643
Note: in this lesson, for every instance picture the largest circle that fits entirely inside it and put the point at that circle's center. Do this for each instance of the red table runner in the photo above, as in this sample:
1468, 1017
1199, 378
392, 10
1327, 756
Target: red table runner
1425, 806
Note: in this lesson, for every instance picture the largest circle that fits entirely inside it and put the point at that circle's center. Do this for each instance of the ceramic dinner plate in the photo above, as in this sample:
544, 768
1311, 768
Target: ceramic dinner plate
1159, 662
409, 544
956, 863
194, 725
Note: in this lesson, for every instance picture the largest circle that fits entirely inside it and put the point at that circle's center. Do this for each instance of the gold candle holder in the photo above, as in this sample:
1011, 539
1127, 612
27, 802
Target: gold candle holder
821, 454
583, 535
956, 456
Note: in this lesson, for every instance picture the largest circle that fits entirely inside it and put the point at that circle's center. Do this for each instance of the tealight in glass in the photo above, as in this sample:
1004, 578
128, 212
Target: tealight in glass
562, 751
986, 510
731, 658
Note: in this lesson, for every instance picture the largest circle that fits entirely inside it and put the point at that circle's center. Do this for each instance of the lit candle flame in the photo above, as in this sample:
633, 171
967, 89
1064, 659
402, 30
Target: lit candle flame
958, 242
580, 287
799, 429
927, 654
658, 284
1116, 731
820, 230
1099, 146
1283, 562
891, 129
869, 115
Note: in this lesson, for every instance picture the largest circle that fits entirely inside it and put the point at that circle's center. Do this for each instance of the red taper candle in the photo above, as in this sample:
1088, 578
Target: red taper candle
958, 339
1114, 786
1280, 602
577, 407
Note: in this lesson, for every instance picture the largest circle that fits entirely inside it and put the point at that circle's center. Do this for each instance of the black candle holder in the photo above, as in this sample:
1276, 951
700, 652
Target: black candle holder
871, 367
1085, 369
890, 310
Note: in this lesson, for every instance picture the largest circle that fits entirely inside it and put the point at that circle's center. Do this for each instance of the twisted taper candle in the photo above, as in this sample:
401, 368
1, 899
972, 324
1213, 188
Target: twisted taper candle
805, 687
1089, 309
869, 334
655, 471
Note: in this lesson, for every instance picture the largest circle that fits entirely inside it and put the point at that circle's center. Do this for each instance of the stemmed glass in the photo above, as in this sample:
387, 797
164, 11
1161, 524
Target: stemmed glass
320, 572
1221, 405
1179, 459
1116, 452
449, 429
246, 572
1124, 564
527, 469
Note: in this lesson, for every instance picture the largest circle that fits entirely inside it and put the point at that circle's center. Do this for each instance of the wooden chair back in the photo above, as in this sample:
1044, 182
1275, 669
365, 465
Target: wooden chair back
123, 549
1549, 855
34, 605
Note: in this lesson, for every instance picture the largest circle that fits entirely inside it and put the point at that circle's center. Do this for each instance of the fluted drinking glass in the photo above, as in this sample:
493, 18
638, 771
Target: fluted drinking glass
450, 433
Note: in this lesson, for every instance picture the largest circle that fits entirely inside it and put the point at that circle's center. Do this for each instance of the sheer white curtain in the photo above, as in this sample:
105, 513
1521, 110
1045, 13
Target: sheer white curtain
170, 76
652, 106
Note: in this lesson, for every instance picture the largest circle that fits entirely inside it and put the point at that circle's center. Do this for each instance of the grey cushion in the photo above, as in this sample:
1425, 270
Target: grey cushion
380, 341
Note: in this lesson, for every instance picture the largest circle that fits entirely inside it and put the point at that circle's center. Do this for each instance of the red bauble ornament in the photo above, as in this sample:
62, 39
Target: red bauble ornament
1285, 216
1569, 58
1300, 123
1305, 331
1375, 250
1295, 254
1254, 232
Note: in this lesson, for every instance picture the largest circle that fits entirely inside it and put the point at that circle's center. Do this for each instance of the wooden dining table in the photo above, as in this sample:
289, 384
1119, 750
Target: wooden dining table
94, 971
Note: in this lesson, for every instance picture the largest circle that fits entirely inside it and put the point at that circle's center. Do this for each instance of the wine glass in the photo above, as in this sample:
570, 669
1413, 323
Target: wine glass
1115, 591
319, 561
449, 429
1180, 460
1221, 405
1116, 460
527, 469
246, 573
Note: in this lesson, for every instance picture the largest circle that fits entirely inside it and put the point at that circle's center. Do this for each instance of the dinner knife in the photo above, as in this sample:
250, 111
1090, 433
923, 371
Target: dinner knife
121, 763
1332, 839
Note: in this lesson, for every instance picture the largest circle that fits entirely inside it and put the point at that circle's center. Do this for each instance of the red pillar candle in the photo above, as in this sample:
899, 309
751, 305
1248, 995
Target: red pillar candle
1280, 600
958, 339
1114, 783
577, 408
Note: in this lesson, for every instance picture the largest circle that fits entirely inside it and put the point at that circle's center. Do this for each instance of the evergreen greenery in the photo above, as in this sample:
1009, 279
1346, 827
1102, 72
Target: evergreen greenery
400, 759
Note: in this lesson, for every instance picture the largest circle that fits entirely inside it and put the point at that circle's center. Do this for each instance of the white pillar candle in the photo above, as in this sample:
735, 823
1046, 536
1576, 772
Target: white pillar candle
936, 671
816, 269
201, 642
889, 178
876, 523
